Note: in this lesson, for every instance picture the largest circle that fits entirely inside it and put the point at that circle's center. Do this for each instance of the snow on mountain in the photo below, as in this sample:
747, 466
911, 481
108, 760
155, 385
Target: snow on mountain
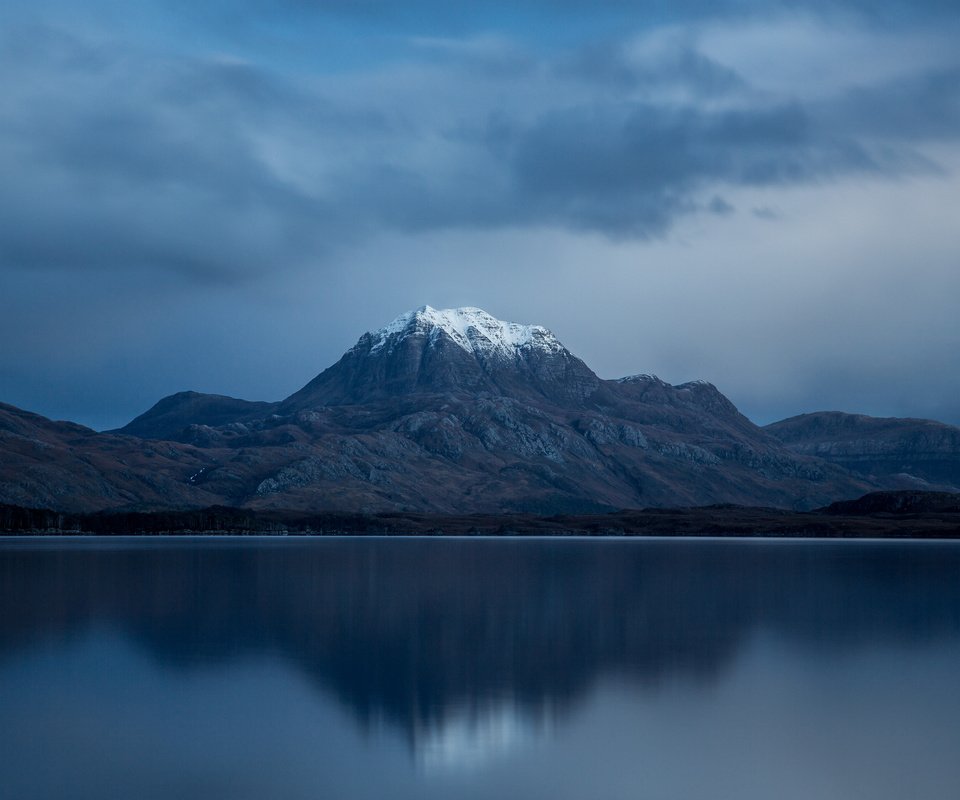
473, 329
640, 377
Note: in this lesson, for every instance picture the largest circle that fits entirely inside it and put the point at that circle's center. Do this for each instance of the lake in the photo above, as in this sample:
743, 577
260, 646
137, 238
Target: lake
478, 668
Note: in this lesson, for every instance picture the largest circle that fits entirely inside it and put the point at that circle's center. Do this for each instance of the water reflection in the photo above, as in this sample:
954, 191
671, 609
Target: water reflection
475, 650
467, 738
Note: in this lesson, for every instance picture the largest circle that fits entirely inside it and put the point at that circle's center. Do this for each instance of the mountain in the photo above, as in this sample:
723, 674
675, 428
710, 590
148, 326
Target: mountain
461, 352
920, 451
447, 411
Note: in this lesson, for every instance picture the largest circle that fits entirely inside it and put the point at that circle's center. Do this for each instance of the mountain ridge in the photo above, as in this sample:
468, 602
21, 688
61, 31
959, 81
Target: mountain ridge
448, 411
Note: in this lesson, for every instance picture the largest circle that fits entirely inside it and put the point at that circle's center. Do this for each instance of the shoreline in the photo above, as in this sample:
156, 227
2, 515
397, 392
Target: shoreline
920, 538
847, 522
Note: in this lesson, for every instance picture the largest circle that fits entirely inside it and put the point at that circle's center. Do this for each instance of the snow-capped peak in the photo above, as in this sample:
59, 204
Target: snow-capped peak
473, 329
640, 377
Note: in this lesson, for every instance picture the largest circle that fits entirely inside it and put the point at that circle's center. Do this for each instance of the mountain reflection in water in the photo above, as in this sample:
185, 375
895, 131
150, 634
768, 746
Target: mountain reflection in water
474, 649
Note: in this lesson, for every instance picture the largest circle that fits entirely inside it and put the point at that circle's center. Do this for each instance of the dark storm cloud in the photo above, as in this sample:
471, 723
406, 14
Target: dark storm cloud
607, 64
915, 107
721, 207
630, 169
114, 160
626, 169
119, 158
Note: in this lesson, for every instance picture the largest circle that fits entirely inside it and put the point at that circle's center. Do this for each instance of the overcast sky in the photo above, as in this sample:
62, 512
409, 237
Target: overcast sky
224, 198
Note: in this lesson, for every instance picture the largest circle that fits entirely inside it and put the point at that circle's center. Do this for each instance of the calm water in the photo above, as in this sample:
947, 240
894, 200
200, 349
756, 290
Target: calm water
372, 668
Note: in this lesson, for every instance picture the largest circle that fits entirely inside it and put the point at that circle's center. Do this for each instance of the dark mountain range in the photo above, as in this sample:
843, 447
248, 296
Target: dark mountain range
439, 411
918, 450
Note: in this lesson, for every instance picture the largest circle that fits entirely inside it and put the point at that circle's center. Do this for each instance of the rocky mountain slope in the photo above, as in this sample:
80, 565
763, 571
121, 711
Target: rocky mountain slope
66, 466
918, 451
442, 411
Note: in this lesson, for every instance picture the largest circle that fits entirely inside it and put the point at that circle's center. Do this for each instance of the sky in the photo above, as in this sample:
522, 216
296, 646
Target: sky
224, 196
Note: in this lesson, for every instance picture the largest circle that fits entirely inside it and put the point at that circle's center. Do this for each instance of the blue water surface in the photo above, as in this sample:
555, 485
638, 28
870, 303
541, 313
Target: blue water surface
478, 668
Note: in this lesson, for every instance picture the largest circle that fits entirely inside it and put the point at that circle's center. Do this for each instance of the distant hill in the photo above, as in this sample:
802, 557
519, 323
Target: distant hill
172, 414
898, 503
920, 452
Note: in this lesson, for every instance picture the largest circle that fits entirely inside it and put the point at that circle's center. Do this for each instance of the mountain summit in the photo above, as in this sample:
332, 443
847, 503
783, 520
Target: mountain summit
477, 332
459, 351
